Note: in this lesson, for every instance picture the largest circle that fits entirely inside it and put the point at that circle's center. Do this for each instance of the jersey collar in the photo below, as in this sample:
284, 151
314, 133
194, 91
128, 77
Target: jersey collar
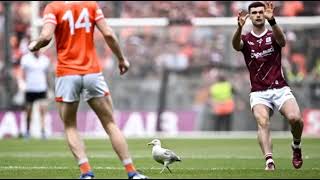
259, 36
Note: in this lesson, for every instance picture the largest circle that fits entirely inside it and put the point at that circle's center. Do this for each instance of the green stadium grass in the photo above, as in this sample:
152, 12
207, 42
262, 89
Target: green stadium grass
201, 158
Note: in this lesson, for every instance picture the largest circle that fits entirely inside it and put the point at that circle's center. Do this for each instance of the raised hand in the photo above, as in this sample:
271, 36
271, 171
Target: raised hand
268, 13
242, 17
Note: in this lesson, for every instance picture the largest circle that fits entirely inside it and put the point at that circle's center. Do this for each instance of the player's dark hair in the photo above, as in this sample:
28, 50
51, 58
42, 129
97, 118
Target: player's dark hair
256, 4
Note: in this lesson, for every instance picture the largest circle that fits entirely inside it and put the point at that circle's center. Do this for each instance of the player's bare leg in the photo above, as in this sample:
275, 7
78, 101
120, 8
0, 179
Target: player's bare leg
29, 108
290, 110
104, 110
68, 114
262, 115
43, 110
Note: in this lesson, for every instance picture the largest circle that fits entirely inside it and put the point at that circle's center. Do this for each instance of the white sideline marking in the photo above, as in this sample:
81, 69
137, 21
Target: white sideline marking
136, 156
60, 155
121, 168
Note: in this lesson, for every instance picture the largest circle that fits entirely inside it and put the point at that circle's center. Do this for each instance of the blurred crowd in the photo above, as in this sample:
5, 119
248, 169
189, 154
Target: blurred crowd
149, 49
183, 9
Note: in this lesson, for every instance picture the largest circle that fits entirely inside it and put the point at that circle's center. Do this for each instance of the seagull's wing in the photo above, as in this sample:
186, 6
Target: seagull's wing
171, 156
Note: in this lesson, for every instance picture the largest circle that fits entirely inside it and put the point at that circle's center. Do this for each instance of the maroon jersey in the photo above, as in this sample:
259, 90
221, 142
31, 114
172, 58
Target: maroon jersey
263, 59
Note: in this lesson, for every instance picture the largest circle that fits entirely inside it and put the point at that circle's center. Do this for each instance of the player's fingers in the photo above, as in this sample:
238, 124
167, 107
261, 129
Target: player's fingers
31, 45
123, 69
120, 69
267, 4
243, 13
271, 5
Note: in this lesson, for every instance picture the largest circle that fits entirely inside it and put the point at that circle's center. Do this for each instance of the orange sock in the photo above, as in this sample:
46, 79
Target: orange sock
85, 167
130, 168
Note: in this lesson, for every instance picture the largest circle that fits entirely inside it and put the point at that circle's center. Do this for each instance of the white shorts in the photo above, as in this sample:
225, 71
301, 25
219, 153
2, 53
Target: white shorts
69, 88
273, 98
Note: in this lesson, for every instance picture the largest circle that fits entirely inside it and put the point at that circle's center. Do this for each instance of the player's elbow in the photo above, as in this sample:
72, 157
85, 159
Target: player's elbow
108, 34
236, 44
282, 43
236, 47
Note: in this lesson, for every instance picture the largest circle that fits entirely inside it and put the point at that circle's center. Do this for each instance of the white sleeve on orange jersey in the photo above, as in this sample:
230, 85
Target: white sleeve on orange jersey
49, 15
99, 14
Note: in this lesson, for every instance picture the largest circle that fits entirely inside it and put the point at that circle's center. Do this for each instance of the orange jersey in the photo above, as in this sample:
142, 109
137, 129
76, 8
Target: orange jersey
75, 23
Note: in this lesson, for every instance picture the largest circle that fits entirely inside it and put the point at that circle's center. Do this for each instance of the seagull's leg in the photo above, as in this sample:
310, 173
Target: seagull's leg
169, 169
166, 164
162, 169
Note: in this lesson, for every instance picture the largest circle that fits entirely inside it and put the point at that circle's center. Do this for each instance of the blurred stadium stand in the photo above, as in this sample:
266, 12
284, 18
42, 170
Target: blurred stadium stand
193, 54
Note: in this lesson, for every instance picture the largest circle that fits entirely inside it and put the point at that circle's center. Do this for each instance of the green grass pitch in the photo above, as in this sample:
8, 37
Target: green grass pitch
201, 158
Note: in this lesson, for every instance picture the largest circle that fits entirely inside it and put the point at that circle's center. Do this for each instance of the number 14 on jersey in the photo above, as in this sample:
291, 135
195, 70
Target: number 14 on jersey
82, 21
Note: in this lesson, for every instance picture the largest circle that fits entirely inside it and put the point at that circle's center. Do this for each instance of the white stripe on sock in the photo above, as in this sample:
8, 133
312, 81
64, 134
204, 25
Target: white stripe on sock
296, 146
268, 154
127, 161
81, 161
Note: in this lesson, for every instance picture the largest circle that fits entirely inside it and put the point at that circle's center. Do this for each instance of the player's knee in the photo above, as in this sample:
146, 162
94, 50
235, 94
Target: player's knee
263, 124
294, 117
262, 119
69, 124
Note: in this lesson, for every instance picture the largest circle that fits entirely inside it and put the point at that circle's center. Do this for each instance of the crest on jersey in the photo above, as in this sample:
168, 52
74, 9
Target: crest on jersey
268, 40
259, 41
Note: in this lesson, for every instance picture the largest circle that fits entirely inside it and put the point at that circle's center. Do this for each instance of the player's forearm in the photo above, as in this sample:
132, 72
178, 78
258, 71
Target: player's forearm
42, 42
277, 32
112, 42
236, 39
45, 37
39, 43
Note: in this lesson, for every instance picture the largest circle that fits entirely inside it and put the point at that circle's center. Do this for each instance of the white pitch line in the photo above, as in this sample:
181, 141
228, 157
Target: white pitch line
121, 168
137, 156
26, 155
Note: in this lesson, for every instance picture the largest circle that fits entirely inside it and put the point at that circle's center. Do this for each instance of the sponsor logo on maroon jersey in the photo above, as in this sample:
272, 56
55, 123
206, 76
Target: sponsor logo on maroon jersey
264, 53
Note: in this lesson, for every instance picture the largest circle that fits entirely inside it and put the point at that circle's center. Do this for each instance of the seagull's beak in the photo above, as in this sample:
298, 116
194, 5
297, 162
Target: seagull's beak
150, 143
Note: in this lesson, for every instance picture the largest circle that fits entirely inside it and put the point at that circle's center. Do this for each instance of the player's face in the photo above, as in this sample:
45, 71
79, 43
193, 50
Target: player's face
257, 16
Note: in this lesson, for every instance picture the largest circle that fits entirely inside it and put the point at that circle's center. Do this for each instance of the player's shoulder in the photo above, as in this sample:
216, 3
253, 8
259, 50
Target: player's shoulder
90, 4
70, 3
246, 35
55, 3
54, 6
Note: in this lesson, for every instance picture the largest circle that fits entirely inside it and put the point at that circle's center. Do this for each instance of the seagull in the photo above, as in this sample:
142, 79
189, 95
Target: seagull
163, 156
